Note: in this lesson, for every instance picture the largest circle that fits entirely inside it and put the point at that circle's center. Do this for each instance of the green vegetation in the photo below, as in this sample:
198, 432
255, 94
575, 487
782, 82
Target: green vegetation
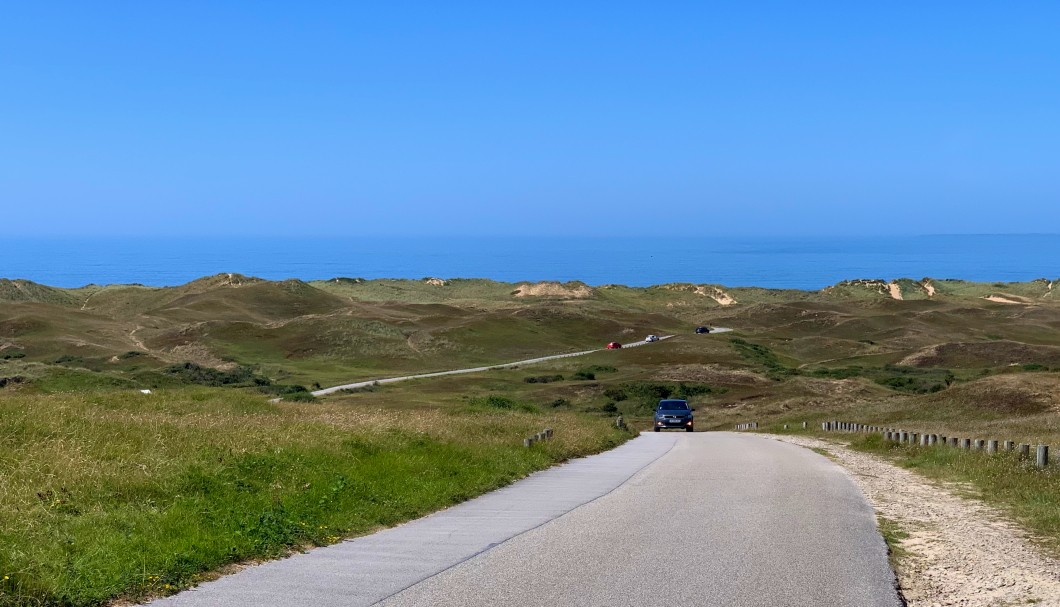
893, 535
543, 379
206, 376
207, 471
110, 494
903, 379
762, 355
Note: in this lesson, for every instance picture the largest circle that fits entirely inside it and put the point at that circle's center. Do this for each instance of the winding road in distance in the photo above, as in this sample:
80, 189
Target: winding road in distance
390, 380
707, 518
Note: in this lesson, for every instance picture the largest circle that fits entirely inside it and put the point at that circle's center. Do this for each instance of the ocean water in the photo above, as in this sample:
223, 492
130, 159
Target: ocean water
802, 263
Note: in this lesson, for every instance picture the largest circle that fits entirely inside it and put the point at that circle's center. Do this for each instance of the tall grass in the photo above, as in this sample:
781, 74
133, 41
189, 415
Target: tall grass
111, 494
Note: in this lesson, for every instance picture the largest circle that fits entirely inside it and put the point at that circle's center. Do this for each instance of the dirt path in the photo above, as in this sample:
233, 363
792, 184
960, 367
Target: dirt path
961, 551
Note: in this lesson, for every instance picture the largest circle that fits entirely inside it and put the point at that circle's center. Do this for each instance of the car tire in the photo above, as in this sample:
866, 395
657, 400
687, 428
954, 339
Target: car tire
689, 430
656, 428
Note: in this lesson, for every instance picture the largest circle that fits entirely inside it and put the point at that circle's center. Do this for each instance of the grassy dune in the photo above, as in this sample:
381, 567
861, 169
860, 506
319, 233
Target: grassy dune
110, 493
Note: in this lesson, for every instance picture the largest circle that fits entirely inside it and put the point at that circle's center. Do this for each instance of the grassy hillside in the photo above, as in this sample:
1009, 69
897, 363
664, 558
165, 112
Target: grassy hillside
109, 492
340, 330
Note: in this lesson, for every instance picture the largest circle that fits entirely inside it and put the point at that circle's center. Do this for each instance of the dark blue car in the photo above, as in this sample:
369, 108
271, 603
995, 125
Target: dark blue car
673, 413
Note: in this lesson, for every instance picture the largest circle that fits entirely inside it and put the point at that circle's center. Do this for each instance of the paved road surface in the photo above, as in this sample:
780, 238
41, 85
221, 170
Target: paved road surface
668, 519
390, 380
530, 361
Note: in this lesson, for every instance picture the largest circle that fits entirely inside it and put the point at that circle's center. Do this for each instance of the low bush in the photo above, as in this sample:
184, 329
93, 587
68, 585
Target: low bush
496, 401
542, 379
762, 355
600, 369
13, 355
192, 373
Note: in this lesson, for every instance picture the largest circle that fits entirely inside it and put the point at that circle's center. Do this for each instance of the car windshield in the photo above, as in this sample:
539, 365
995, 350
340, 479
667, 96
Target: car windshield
673, 405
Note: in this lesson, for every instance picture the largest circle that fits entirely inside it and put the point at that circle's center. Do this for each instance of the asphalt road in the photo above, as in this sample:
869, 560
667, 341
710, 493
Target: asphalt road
530, 361
723, 519
668, 519
390, 380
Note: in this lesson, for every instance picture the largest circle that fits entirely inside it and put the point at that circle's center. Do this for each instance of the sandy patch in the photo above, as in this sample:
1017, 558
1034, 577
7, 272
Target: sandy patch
894, 291
930, 288
961, 551
554, 289
723, 298
1004, 300
436, 282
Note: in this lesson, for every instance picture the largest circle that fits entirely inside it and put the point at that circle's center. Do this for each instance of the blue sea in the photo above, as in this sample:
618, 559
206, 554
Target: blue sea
802, 263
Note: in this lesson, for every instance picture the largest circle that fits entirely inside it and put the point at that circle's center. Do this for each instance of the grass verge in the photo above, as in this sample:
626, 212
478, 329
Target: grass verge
122, 495
1030, 495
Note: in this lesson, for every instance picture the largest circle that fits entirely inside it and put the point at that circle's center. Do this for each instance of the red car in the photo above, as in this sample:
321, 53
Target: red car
614, 345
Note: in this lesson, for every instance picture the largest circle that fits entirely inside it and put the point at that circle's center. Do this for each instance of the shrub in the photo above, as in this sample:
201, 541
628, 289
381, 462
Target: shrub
542, 379
609, 408
5, 381
300, 397
372, 387
559, 402
130, 354
762, 355
584, 375
13, 355
496, 401
208, 376
68, 358
600, 369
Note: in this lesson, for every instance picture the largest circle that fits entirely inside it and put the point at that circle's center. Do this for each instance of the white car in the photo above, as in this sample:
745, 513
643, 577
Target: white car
651, 338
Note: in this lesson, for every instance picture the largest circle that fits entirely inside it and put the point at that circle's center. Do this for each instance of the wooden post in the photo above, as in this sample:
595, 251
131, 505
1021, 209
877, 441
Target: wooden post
1042, 456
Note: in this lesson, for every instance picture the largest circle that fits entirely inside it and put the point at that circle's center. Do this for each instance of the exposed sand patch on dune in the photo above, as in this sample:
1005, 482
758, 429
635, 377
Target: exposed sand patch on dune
436, 282
894, 291
723, 298
1005, 300
930, 288
569, 290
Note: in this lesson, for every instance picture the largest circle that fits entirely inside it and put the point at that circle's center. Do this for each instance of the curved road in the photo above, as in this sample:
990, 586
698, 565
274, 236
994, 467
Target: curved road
390, 380
714, 519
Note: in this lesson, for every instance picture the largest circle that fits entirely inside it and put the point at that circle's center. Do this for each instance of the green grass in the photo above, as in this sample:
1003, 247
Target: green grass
116, 494
893, 534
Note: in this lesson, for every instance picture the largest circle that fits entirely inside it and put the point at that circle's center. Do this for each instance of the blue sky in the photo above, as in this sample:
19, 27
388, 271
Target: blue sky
609, 118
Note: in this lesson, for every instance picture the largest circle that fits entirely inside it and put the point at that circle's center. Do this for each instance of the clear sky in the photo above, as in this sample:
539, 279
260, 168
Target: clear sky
608, 118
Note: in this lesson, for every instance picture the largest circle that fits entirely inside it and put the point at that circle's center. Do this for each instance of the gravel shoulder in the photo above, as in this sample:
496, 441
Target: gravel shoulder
960, 551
